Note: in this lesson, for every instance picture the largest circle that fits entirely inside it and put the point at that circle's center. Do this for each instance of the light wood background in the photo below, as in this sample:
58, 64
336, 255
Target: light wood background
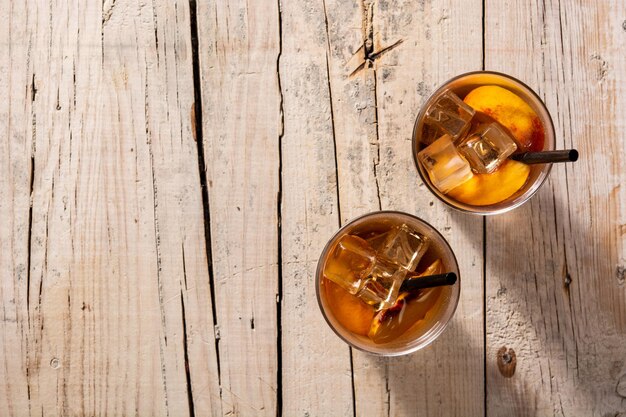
170, 171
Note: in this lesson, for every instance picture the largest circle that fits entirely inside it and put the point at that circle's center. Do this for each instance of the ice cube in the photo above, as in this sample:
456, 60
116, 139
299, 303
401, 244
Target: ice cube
487, 148
405, 247
350, 262
376, 241
375, 276
450, 114
430, 134
445, 166
380, 289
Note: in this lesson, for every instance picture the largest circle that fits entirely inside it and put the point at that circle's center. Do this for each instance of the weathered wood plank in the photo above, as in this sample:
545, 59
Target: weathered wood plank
449, 380
316, 374
239, 43
118, 305
555, 270
16, 172
374, 107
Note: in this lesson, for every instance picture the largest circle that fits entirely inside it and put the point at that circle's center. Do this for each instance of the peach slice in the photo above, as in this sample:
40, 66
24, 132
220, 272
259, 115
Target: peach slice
350, 311
408, 310
433, 269
512, 112
485, 189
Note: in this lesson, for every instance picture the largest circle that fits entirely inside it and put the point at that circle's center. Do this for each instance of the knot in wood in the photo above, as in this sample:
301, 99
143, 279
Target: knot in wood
568, 280
507, 361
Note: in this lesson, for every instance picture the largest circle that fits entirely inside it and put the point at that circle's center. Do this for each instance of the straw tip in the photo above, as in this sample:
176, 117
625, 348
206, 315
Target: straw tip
573, 155
450, 278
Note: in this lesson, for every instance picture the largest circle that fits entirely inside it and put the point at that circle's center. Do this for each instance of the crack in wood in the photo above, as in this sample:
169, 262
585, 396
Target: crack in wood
33, 89
376, 161
102, 38
30, 232
368, 59
367, 19
387, 390
192, 409
198, 134
556, 310
561, 35
367, 51
33, 92
107, 11
66, 360
567, 282
157, 239
279, 293
157, 232
156, 33
332, 121
352, 381
367, 10
184, 266
375, 55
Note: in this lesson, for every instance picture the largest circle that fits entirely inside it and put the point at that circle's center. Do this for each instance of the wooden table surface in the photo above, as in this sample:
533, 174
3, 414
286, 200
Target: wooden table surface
170, 171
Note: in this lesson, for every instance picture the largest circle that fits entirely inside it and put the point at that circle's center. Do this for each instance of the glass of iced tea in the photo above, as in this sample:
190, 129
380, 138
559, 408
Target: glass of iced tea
470, 139
360, 283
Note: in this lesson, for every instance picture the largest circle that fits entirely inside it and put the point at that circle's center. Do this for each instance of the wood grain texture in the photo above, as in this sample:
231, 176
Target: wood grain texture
316, 372
16, 173
112, 300
163, 206
239, 45
555, 270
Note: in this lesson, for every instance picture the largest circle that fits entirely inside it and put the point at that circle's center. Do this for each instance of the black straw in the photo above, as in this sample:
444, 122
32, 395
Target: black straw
418, 283
545, 157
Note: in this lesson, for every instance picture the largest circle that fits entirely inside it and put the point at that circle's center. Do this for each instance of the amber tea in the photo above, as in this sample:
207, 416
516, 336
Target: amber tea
468, 136
360, 275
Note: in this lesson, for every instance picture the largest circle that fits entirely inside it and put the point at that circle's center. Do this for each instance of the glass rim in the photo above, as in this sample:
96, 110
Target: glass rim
429, 336
462, 207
